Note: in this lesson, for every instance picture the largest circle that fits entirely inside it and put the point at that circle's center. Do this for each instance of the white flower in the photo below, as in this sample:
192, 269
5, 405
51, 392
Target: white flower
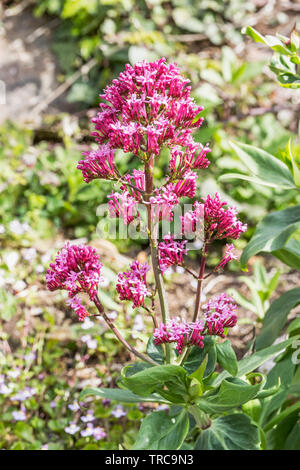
19, 415
11, 258
92, 344
16, 227
89, 417
29, 254
87, 324
85, 338
179, 269
19, 285
13, 373
40, 268
74, 406
88, 431
6, 389
72, 428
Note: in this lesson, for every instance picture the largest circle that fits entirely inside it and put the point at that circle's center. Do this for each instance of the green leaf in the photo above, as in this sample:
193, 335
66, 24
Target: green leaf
289, 254
145, 382
199, 373
296, 170
252, 179
252, 362
293, 439
233, 392
24, 431
289, 80
294, 326
197, 355
155, 351
118, 394
272, 41
276, 316
232, 432
264, 168
226, 357
272, 233
159, 431
283, 373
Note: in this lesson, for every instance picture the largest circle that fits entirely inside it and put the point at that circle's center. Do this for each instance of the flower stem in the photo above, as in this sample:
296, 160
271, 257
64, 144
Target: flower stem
200, 281
119, 336
201, 418
152, 233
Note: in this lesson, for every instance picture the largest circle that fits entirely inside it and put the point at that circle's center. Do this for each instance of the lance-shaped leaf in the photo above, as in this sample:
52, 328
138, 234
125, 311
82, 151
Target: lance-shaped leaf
272, 233
233, 392
159, 431
232, 432
272, 41
264, 168
145, 382
226, 357
276, 316
289, 254
197, 355
120, 395
250, 363
155, 351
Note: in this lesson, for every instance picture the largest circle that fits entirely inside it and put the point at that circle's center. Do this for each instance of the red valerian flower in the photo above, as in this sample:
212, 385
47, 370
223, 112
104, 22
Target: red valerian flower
147, 106
76, 269
98, 163
219, 314
132, 285
180, 332
171, 252
220, 220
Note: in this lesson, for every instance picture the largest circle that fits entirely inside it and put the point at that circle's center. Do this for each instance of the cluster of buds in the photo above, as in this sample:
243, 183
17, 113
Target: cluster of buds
148, 106
219, 314
171, 252
132, 285
76, 269
220, 219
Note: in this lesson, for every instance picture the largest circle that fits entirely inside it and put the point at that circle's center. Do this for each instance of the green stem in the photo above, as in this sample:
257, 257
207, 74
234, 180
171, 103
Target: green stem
201, 418
282, 415
119, 336
152, 233
200, 281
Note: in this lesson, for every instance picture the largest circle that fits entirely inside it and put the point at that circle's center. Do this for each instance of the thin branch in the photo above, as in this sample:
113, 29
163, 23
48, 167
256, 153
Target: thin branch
112, 326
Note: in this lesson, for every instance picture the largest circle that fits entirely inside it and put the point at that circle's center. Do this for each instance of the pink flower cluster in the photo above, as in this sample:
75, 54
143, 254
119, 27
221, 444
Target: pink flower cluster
123, 206
180, 332
228, 256
138, 180
218, 315
193, 158
147, 106
76, 269
171, 252
132, 285
220, 220
185, 186
98, 163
